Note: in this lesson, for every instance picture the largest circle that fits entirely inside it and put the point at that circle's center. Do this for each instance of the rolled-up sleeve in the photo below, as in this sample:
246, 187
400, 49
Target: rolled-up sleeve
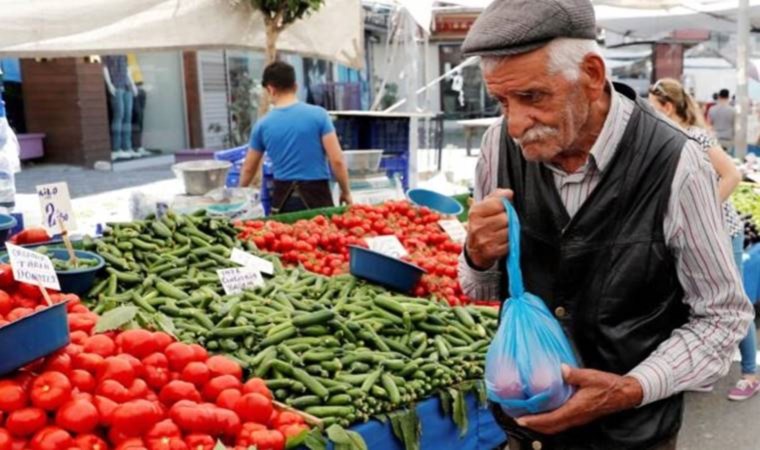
699, 352
483, 284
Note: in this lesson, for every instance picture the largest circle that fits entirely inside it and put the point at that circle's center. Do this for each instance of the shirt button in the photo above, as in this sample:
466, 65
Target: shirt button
560, 312
536, 445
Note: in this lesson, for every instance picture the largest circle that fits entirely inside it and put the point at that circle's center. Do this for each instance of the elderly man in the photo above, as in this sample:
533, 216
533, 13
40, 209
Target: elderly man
621, 231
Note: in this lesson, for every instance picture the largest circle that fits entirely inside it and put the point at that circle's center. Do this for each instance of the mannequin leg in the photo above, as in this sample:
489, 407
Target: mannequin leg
138, 114
117, 117
126, 124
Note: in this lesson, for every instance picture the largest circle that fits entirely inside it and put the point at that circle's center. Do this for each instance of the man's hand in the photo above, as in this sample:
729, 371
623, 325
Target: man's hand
598, 394
345, 198
487, 231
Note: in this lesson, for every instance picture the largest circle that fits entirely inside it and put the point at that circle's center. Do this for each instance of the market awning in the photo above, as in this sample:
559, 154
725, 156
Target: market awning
50, 28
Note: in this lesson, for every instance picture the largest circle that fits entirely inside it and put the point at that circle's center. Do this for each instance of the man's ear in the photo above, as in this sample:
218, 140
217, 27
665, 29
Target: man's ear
594, 75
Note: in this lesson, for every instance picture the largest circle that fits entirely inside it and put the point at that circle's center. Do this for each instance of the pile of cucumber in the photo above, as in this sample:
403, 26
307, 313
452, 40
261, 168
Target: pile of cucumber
337, 348
151, 262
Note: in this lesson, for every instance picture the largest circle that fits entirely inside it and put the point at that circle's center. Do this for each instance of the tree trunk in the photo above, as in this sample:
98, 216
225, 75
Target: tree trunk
272, 33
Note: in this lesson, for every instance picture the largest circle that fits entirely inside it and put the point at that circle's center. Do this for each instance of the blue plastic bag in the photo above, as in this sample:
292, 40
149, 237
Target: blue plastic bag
523, 372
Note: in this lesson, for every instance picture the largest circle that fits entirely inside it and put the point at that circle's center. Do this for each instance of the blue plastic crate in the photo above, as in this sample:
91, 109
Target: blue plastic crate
397, 165
233, 154
390, 135
233, 179
347, 129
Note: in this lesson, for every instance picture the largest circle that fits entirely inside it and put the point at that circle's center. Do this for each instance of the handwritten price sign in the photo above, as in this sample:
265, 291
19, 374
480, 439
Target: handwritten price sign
387, 245
55, 204
236, 279
31, 267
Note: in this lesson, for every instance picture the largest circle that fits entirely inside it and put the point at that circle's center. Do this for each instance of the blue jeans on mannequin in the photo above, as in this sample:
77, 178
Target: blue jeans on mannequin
121, 121
748, 345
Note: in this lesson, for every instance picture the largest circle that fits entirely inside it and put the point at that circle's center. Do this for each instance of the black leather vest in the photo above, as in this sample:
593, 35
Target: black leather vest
607, 271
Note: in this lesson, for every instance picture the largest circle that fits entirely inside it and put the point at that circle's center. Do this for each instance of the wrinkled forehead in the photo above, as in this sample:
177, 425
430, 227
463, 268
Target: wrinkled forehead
519, 72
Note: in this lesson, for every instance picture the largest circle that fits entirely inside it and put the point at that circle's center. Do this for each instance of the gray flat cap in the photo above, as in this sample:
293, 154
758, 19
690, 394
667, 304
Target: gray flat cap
510, 27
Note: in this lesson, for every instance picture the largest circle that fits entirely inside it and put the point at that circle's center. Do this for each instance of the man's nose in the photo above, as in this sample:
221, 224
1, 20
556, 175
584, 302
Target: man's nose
519, 121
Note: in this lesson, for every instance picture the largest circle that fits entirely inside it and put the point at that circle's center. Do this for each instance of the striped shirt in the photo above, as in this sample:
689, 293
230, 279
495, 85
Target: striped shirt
700, 351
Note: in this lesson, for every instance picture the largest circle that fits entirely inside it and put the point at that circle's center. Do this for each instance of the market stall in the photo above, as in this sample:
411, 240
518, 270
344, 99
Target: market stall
355, 363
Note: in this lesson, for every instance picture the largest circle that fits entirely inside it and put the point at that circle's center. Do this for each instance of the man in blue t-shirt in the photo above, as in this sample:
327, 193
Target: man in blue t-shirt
300, 140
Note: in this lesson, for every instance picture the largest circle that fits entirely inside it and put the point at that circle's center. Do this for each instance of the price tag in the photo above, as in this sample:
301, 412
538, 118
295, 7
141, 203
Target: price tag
454, 229
387, 245
246, 259
55, 203
236, 279
31, 267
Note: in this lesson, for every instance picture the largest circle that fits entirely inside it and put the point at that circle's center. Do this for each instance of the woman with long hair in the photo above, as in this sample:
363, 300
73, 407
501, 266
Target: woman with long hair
669, 97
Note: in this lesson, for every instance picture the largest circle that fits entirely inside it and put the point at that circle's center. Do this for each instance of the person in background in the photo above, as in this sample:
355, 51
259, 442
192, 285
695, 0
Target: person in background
721, 118
669, 97
300, 139
710, 104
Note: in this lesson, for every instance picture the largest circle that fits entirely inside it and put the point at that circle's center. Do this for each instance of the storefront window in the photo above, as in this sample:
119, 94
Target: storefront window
152, 121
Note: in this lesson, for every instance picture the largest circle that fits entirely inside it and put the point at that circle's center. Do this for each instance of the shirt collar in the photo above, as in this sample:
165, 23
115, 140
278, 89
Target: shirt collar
603, 149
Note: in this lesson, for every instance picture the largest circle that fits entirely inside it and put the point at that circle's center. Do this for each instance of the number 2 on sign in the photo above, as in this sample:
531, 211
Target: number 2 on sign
52, 217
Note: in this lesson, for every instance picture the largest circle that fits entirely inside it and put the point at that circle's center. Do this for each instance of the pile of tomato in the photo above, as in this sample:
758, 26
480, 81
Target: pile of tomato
133, 389
321, 244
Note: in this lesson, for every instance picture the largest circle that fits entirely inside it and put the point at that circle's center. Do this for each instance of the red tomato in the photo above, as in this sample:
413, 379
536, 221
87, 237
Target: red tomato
254, 408
90, 442
82, 380
221, 365
26, 421
78, 416
100, 344
52, 438
118, 369
215, 386
6, 441
199, 442
178, 390
6, 303
18, 313
59, 361
196, 372
161, 340
6, 277
135, 417
88, 361
257, 385
156, 370
12, 396
228, 398
179, 355
50, 390
139, 343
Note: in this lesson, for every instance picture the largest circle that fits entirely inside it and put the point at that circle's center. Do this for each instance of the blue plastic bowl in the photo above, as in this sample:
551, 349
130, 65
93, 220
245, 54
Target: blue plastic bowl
6, 225
435, 201
32, 337
381, 269
77, 281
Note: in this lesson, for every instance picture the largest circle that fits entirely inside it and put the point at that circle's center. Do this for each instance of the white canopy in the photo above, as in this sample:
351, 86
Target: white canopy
49, 28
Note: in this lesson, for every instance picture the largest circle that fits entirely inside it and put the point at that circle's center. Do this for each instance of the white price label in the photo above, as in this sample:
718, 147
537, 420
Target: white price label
31, 267
454, 229
246, 259
55, 204
387, 245
236, 279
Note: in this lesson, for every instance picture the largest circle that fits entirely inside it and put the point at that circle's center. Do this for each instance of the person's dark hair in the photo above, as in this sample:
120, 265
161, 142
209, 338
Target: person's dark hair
279, 75
715, 95
723, 93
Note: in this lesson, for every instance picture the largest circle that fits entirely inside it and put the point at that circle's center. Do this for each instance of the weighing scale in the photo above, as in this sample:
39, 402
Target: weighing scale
369, 183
